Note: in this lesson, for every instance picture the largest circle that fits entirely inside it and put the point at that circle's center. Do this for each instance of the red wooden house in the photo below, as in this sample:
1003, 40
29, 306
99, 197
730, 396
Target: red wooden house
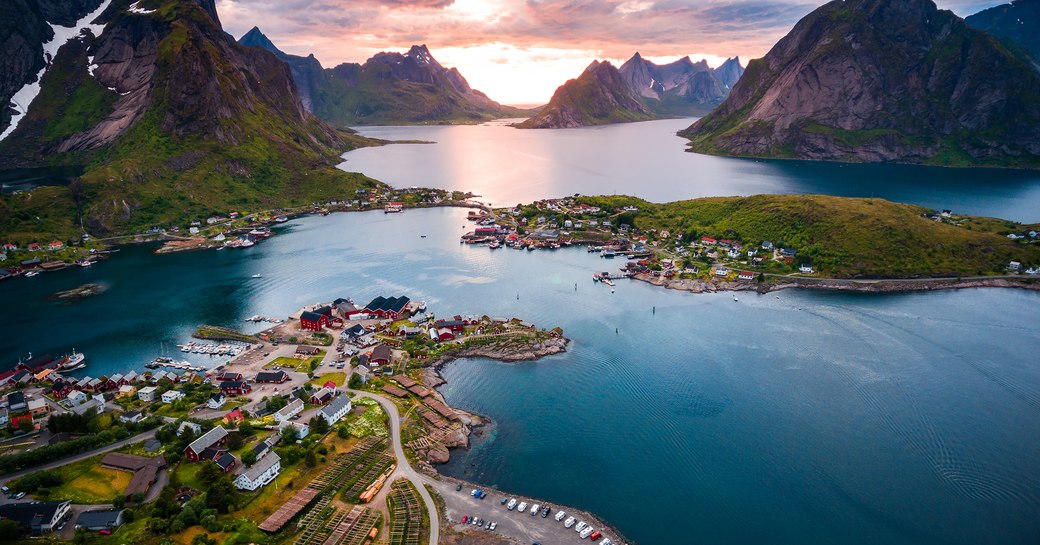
312, 321
207, 447
235, 387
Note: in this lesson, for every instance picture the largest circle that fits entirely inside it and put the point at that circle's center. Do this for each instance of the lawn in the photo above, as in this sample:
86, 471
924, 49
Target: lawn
339, 377
302, 366
86, 482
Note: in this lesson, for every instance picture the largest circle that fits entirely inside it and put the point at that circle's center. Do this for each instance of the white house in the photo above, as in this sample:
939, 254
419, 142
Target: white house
721, 271
170, 396
147, 393
261, 474
287, 412
1014, 266
301, 429
336, 409
131, 416
77, 397
195, 428
807, 269
90, 407
216, 400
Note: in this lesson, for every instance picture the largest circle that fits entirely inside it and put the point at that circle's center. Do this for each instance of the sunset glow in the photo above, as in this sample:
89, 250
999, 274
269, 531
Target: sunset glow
519, 51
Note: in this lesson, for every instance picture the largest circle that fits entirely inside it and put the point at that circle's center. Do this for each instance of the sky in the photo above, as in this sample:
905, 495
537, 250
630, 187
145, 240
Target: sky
519, 51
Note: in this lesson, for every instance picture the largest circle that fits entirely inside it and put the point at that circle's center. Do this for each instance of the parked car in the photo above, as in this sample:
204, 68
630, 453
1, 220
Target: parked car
493, 526
458, 487
546, 511
595, 535
521, 508
534, 509
504, 500
465, 519
511, 504
18, 496
569, 522
5, 489
560, 515
581, 526
105, 532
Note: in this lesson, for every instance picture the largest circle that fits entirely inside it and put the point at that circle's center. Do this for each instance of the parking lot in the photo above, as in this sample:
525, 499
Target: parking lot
521, 526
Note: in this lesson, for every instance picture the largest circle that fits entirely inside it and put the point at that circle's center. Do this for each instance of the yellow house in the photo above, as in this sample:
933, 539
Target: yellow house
127, 390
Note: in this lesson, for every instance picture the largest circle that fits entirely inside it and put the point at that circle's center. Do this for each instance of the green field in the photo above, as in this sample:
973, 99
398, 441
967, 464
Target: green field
86, 482
840, 237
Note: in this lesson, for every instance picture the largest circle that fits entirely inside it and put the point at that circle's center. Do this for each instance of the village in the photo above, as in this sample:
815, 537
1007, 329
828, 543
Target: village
325, 430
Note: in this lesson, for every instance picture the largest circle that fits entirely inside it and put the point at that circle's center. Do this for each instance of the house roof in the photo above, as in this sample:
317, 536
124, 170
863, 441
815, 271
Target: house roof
310, 316
15, 397
218, 396
231, 384
381, 352
261, 466
228, 375
387, 304
208, 439
336, 405
270, 375
287, 410
225, 460
97, 519
320, 394
30, 514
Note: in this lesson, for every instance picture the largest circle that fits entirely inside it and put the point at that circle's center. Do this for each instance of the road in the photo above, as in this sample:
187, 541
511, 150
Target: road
404, 469
4, 479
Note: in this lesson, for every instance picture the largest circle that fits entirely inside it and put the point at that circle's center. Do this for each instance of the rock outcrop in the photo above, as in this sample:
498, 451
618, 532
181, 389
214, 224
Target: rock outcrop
881, 80
388, 88
598, 96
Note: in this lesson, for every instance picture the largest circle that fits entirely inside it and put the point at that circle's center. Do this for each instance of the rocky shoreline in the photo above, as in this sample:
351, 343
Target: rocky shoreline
832, 284
472, 423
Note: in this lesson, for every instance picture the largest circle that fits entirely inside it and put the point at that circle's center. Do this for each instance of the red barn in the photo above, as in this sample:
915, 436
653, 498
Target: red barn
235, 387
275, 377
312, 321
380, 355
207, 447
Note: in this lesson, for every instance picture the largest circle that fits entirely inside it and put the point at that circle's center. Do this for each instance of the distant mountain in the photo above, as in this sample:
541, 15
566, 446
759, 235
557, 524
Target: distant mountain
169, 118
389, 88
644, 91
881, 80
600, 95
1016, 24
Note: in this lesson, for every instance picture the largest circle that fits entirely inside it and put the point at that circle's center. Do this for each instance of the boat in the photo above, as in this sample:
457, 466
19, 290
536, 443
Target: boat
72, 361
281, 219
31, 274
531, 248
494, 245
257, 275
735, 298
246, 244
607, 253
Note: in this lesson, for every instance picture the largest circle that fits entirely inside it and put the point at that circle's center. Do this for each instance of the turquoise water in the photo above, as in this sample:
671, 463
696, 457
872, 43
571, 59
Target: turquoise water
812, 418
508, 166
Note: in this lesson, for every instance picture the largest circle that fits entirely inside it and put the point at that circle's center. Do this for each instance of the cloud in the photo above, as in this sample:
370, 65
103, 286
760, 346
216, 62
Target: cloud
352, 30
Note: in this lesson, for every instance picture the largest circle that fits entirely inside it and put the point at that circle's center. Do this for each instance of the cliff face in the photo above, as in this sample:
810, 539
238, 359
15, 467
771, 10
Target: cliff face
170, 116
1016, 24
598, 96
388, 88
881, 80
25, 25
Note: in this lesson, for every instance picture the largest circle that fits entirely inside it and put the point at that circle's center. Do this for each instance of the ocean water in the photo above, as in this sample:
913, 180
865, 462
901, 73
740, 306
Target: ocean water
508, 166
796, 417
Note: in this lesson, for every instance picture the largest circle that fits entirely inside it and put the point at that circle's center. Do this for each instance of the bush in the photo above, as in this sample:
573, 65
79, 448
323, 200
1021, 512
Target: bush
36, 481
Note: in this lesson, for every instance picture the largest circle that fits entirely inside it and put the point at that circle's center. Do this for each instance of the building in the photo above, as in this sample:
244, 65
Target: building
127, 390
5, 417
16, 401
36, 517
456, 326
276, 377
147, 393
301, 429
93, 406
322, 396
228, 376
207, 446
289, 411
392, 308
234, 415
194, 427
336, 409
226, 461
170, 396
100, 520
235, 387
312, 321
261, 474
746, 275
262, 448
131, 417
145, 470
805, 269
380, 355
216, 400
304, 351
77, 397
443, 334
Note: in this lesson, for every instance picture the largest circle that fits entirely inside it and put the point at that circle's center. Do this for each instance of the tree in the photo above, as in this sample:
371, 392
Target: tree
10, 530
25, 425
289, 435
119, 501
234, 441
249, 458
355, 382
310, 458
245, 429
319, 425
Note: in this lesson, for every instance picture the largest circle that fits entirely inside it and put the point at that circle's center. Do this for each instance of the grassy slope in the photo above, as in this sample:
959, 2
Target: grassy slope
843, 237
150, 177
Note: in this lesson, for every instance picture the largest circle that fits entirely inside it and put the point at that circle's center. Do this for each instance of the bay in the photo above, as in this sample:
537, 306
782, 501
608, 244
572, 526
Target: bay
680, 418
507, 166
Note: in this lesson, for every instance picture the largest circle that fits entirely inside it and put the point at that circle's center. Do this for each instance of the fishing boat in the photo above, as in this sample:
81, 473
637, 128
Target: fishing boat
281, 219
257, 275
72, 361
494, 245
31, 274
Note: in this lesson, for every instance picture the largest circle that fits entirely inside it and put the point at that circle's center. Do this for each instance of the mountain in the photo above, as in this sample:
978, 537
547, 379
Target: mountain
881, 80
642, 90
600, 95
169, 119
389, 88
1016, 24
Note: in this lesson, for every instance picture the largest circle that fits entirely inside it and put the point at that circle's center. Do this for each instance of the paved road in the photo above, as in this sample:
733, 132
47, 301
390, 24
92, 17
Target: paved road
404, 469
4, 479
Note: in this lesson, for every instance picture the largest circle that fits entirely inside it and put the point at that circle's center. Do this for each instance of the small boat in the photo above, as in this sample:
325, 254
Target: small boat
281, 219
422, 236
494, 245
735, 298
246, 243
31, 274
257, 275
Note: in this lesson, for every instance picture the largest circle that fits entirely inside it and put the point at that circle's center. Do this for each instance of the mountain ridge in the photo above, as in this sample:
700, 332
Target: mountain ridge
881, 80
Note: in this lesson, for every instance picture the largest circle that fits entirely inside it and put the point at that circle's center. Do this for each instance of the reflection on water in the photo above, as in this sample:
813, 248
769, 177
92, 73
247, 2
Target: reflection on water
507, 166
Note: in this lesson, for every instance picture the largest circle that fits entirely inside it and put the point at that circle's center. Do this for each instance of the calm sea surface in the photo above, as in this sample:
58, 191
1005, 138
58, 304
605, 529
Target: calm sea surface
507, 166
808, 418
